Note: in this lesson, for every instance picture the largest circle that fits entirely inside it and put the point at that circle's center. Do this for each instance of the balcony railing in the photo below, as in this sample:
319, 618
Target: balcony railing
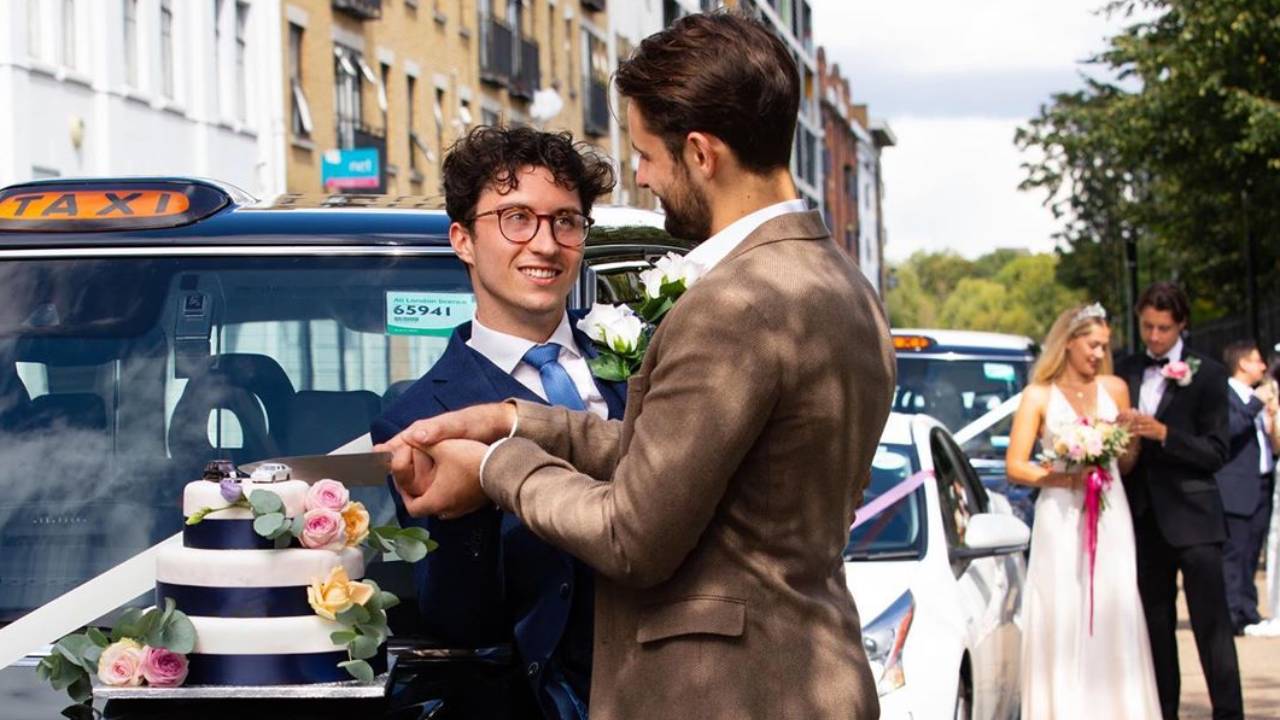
495, 51
528, 76
595, 111
363, 9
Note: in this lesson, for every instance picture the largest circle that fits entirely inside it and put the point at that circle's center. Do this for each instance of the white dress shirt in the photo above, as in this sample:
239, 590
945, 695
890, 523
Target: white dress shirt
507, 352
1245, 394
718, 246
1154, 384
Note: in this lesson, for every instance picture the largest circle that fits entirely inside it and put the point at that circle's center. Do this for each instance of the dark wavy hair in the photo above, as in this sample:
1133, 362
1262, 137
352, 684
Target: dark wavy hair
1166, 297
722, 73
492, 157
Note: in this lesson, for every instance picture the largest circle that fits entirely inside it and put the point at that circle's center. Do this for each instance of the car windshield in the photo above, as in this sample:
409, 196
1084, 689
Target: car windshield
121, 377
957, 392
897, 531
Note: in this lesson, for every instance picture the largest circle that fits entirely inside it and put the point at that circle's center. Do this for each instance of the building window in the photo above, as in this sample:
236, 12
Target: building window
69, 33
490, 117
411, 87
35, 48
348, 90
301, 116
242, 51
384, 76
166, 48
131, 41
438, 112
850, 184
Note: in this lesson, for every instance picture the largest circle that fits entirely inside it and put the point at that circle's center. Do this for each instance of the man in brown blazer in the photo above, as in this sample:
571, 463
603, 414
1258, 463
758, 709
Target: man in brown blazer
750, 427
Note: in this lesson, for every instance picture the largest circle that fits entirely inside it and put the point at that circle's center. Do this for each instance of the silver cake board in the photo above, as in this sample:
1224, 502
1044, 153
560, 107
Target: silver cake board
347, 689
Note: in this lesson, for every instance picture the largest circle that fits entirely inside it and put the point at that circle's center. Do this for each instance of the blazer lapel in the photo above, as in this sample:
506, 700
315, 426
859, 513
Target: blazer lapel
1134, 375
470, 378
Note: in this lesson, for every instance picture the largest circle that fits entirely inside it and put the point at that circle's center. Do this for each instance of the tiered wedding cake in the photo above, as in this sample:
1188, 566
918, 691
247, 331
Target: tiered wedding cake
247, 600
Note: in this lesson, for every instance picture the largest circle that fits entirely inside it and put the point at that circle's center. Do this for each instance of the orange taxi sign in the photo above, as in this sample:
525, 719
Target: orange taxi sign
912, 342
104, 204
93, 204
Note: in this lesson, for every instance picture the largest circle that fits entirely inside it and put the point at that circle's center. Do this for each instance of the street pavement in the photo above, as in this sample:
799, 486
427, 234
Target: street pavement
1259, 670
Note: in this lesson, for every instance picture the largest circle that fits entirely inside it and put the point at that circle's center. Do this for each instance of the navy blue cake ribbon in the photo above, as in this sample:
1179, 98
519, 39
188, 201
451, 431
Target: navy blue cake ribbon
274, 669
236, 602
224, 535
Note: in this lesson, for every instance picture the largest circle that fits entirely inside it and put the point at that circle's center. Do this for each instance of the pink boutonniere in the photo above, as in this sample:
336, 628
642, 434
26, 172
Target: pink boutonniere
1181, 372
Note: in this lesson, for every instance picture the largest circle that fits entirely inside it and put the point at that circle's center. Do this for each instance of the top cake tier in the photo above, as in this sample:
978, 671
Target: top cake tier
203, 494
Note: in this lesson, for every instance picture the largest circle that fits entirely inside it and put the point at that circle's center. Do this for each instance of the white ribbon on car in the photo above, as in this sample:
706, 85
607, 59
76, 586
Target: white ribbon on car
97, 597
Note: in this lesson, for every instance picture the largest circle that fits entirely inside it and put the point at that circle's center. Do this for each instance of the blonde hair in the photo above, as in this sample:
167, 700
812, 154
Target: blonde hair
1071, 324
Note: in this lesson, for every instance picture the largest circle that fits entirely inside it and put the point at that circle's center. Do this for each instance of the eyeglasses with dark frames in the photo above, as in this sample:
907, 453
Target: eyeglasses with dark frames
519, 224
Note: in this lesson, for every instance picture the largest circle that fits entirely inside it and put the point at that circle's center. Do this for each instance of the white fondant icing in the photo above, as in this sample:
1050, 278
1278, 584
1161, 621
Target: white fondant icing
253, 568
206, 494
264, 636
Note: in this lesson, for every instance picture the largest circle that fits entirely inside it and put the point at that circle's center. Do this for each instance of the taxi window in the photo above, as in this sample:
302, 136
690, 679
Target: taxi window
897, 532
957, 392
121, 377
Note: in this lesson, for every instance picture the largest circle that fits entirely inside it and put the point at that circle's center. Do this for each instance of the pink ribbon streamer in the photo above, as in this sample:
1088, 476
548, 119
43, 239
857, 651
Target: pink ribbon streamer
889, 497
1096, 484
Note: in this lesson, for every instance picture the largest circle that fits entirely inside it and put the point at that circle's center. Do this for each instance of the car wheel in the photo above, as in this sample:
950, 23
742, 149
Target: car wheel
964, 699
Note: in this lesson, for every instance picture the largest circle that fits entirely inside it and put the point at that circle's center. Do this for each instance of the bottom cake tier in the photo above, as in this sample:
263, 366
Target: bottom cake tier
269, 651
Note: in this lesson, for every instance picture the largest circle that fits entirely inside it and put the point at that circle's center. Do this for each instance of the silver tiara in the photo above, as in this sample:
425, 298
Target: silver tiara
1088, 312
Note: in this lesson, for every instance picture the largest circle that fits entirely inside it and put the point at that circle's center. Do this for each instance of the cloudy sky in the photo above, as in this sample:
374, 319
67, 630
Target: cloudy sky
954, 80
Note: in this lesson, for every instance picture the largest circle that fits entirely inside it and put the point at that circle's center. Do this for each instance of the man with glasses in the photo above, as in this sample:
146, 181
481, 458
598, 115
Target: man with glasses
520, 201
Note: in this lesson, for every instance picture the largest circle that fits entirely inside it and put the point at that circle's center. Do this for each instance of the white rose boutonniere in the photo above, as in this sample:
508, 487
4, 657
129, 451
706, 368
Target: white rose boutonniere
1181, 372
621, 334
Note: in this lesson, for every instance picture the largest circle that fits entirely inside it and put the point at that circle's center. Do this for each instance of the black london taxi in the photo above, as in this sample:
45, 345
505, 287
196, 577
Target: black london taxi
132, 309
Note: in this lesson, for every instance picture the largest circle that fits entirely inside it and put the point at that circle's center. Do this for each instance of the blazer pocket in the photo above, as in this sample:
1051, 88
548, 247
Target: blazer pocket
692, 616
1197, 486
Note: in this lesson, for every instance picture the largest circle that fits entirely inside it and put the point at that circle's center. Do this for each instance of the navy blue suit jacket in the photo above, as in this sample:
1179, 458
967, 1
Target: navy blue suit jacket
491, 580
1239, 481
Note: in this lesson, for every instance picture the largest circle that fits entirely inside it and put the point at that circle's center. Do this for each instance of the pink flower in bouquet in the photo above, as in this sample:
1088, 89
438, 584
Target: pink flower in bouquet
327, 494
1093, 445
1075, 453
121, 663
163, 668
323, 529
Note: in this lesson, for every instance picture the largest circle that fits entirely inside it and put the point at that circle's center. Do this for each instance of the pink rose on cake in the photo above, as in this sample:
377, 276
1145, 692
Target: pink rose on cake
121, 663
327, 494
356, 519
337, 594
163, 668
323, 529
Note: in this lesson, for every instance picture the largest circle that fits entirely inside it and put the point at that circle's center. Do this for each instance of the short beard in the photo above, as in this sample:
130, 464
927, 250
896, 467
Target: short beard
688, 211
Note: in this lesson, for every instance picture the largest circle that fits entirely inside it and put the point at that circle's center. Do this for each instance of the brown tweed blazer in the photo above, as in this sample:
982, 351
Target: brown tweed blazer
733, 478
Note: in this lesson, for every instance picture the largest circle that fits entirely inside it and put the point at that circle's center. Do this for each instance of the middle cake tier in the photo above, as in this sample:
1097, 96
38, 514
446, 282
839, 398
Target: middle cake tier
247, 583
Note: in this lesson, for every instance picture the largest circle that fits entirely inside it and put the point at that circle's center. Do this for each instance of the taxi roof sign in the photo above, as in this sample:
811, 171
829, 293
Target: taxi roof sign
912, 342
104, 205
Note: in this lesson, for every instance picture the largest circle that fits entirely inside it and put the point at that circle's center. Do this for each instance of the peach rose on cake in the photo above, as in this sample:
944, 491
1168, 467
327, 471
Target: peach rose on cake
323, 529
327, 494
356, 519
121, 663
337, 594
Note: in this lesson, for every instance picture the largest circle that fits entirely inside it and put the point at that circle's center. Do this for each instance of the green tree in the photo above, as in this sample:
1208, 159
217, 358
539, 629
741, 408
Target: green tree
1179, 151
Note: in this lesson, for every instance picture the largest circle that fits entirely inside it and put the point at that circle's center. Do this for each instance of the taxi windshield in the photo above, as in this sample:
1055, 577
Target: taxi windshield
120, 377
897, 531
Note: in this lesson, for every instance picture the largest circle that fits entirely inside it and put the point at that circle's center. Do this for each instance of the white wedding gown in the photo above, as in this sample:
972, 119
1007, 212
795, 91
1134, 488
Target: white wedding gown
1067, 673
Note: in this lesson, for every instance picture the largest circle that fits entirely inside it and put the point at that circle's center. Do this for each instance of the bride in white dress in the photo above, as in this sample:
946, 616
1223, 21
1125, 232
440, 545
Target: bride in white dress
1068, 671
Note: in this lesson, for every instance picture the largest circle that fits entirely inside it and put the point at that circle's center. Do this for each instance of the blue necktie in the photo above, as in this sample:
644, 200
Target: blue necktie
555, 379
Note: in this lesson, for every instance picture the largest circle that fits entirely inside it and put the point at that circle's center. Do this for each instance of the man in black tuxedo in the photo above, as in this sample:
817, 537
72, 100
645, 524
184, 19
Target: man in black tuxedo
1180, 412
1246, 480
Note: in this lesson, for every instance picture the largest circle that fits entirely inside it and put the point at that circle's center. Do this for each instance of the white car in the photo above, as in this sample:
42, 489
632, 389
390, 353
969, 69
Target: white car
937, 576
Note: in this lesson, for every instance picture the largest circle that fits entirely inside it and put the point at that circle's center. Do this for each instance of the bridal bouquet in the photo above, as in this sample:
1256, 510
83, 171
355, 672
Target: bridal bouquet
1089, 445
621, 334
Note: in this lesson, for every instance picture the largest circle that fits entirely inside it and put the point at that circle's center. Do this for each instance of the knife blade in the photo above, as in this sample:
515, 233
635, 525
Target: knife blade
367, 469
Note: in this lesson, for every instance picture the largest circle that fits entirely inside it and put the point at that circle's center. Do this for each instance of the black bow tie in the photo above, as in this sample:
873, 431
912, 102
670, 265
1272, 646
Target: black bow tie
1148, 361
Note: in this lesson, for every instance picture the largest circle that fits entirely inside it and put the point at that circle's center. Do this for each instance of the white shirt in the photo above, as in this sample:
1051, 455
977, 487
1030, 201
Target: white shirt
507, 352
718, 246
1264, 455
1154, 384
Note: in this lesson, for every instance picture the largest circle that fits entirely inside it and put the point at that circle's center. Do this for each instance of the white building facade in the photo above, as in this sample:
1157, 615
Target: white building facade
142, 87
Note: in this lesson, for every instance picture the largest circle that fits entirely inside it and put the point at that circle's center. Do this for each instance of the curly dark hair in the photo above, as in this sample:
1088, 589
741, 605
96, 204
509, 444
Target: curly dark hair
491, 156
1167, 297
